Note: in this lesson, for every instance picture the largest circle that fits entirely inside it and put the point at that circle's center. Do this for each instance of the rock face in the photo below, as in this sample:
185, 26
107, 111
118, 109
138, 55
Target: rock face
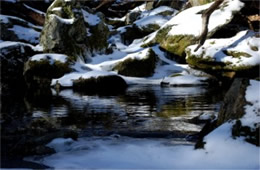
138, 67
64, 29
238, 55
102, 84
40, 69
13, 55
234, 101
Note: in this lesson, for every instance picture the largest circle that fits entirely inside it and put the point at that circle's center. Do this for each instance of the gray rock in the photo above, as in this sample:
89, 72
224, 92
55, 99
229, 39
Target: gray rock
64, 29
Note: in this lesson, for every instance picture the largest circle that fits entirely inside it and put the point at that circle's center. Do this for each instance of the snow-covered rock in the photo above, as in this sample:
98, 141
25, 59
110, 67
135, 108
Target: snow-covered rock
239, 54
17, 29
185, 28
140, 64
41, 68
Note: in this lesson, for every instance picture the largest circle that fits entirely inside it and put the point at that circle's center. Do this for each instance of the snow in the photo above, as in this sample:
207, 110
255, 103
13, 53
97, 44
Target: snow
158, 20
217, 49
221, 152
252, 116
67, 79
63, 20
219, 17
27, 34
91, 19
6, 44
35, 10
185, 80
51, 57
158, 10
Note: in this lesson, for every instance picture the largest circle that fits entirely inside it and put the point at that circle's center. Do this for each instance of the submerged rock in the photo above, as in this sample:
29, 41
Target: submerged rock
236, 56
138, 67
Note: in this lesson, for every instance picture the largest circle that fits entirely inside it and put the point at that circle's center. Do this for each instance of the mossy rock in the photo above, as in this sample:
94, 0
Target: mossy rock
64, 30
174, 45
111, 84
38, 74
145, 30
138, 68
221, 69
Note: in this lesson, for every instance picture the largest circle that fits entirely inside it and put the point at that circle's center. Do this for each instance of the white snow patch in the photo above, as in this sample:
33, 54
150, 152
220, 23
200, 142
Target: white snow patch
252, 116
67, 79
219, 17
145, 22
25, 33
91, 19
217, 49
63, 20
51, 57
184, 80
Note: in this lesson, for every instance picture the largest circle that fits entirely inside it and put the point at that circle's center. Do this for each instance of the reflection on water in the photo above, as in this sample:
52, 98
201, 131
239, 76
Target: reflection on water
145, 108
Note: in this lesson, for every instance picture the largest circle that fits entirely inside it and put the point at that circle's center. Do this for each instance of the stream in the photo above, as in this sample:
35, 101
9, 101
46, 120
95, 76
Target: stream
142, 120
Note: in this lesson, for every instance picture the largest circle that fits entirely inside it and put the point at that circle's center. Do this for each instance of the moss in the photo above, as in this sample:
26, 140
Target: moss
254, 48
238, 54
138, 68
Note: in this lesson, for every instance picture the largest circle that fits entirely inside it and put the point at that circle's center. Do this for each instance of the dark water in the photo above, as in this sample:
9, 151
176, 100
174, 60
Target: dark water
146, 108
142, 111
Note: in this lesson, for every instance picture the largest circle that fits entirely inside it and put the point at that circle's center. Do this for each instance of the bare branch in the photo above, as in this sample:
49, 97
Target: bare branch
205, 21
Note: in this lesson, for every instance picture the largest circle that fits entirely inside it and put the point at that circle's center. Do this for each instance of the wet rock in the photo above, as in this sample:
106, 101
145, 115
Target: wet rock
64, 30
17, 29
13, 55
102, 84
41, 68
138, 67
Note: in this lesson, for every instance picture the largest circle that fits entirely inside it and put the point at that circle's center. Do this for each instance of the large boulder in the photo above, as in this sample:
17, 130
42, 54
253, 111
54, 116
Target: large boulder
180, 31
64, 29
17, 29
13, 55
236, 56
40, 69
141, 64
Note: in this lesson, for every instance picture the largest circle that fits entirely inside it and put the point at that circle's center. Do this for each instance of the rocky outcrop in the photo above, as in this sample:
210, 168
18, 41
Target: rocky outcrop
64, 29
199, 2
102, 84
138, 67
